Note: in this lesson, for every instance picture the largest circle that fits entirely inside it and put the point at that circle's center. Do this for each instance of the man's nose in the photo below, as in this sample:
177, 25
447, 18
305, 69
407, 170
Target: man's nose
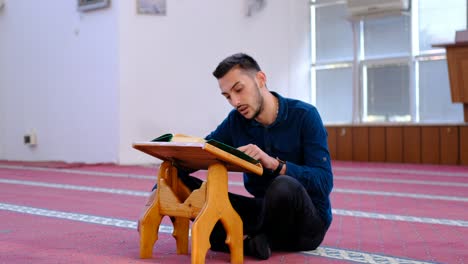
235, 101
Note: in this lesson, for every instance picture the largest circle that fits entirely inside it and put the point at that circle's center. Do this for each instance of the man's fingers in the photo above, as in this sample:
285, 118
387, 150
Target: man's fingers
252, 150
243, 148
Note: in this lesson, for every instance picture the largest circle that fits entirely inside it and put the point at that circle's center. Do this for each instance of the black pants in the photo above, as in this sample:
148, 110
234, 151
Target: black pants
286, 215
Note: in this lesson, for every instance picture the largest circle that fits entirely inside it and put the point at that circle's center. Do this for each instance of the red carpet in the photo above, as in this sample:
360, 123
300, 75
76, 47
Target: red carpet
54, 212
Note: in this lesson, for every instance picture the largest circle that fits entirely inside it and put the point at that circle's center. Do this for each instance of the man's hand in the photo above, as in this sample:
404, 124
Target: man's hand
255, 152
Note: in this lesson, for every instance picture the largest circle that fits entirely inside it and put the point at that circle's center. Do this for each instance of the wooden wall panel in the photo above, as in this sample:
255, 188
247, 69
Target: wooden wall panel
449, 152
463, 145
465, 111
361, 143
430, 145
377, 144
412, 144
332, 142
427, 144
344, 143
394, 144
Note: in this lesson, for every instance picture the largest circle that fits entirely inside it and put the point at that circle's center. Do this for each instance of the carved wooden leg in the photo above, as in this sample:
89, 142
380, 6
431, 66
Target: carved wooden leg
231, 220
201, 230
233, 225
217, 206
149, 223
181, 234
149, 228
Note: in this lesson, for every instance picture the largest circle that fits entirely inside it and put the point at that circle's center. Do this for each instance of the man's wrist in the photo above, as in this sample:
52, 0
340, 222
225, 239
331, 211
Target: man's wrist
279, 169
283, 170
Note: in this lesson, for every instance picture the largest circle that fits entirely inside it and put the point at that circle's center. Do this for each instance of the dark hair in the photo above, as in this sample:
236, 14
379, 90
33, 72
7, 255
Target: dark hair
240, 60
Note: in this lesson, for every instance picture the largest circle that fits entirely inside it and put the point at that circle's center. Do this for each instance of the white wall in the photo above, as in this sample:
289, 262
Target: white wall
92, 84
58, 76
166, 63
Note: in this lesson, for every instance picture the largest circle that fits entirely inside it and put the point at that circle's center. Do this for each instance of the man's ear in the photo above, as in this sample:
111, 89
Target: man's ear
261, 79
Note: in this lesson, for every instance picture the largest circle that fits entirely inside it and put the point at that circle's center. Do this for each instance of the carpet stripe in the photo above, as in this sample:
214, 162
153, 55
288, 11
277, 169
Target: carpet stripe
84, 172
406, 195
141, 193
327, 252
75, 187
425, 220
401, 181
403, 171
404, 218
237, 183
360, 257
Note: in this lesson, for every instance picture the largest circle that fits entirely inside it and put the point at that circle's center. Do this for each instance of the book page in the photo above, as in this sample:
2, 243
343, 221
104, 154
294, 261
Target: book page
186, 138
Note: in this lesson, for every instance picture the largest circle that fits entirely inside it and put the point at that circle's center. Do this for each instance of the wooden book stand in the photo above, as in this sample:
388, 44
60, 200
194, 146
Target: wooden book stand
206, 205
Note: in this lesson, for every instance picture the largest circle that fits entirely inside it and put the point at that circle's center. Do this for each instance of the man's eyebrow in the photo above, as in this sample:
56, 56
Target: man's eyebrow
232, 87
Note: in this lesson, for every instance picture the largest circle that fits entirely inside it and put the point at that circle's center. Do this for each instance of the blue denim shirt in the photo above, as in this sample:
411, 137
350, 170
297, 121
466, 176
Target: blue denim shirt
297, 137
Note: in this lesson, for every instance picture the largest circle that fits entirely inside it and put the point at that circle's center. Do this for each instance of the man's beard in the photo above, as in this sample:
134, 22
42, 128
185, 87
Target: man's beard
259, 103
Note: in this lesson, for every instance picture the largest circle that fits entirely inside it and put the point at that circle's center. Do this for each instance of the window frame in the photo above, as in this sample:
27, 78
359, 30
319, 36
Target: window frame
359, 63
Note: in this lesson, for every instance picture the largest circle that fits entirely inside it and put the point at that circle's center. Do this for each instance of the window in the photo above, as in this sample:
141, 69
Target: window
435, 101
331, 20
335, 83
387, 37
384, 69
387, 93
438, 21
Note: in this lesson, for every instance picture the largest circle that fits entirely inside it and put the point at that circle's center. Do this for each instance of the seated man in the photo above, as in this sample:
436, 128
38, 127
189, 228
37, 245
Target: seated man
291, 208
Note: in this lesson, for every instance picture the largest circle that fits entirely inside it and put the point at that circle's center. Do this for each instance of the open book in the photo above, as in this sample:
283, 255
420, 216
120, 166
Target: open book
190, 139
178, 138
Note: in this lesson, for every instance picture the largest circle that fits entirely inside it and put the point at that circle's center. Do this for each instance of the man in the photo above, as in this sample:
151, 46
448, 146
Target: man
291, 207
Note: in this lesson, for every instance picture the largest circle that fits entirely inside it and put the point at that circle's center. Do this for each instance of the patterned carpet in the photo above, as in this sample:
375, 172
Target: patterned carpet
53, 212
